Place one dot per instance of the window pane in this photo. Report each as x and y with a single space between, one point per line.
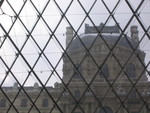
2 103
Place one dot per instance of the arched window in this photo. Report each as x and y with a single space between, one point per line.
105 110
3 102
130 70
104 71
77 70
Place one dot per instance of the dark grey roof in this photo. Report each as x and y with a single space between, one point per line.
88 39
101 29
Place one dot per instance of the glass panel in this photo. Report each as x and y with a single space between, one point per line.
61 45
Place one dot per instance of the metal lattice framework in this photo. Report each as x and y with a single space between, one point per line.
32 48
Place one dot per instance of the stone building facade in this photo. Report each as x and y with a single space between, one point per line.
103 72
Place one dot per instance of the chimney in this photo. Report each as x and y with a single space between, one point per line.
15 87
134 33
69 35
36 86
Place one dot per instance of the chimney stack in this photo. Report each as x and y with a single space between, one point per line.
36 86
69 35
134 33
15 87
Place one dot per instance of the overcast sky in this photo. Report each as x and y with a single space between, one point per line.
52 15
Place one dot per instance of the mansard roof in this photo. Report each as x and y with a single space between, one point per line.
101 29
88 39
110 34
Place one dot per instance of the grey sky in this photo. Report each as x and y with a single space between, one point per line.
52 16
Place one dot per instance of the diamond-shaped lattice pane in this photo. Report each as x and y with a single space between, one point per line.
74 56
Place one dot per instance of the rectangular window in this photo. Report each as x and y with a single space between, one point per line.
3 103
77 94
45 103
24 103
